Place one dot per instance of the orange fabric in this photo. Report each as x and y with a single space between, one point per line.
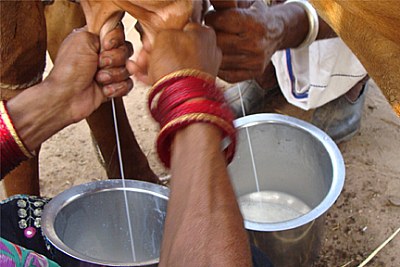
371 30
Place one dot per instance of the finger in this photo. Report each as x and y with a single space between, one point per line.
142 60
191 27
113 75
139 73
233 44
115 57
114 38
228 21
118 89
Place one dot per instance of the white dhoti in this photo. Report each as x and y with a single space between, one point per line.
312 76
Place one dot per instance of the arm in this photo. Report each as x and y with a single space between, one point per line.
70 92
204 226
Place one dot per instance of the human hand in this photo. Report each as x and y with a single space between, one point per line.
193 48
248 38
113 75
72 77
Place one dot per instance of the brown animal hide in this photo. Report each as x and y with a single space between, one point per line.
153 15
101 16
23 50
371 30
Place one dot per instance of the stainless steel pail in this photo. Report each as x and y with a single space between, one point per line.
89 223
300 173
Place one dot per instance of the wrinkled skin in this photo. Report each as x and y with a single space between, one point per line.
202 196
248 38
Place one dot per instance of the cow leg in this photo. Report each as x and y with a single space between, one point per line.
24 179
61 18
134 161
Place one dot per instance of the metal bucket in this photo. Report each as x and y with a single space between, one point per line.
300 174
89 223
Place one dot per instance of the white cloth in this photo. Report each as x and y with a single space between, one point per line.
312 76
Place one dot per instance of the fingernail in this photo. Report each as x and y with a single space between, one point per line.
106 61
113 43
104 77
108 90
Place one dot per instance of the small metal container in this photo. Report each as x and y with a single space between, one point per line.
89 223
300 174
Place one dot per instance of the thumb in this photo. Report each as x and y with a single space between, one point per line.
139 73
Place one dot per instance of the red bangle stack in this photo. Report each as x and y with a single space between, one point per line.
13 151
185 97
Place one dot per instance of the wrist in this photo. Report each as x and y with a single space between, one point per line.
295 24
37 115
313 21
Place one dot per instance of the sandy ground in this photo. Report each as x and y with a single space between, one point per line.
366 213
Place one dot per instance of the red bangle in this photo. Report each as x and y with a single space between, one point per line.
11 152
182 91
181 99
171 78
166 134
198 106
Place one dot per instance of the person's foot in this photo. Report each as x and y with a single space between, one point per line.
341 118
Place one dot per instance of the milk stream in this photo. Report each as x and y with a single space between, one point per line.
249 141
121 167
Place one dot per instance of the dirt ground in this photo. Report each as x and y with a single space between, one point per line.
366 213
362 218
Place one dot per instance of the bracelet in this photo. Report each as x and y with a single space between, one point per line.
205 106
9 125
10 152
164 138
171 78
185 97
183 90
312 20
185 73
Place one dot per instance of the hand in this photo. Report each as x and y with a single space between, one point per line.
69 94
72 76
112 74
248 38
194 48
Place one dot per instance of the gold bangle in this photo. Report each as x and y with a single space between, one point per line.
199 117
186 73
10 127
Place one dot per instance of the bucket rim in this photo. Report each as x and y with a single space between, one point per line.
338 170
66 197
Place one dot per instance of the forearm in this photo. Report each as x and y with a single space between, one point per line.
204 226
37 114
296 25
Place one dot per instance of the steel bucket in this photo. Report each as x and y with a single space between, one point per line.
300 175
88 223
